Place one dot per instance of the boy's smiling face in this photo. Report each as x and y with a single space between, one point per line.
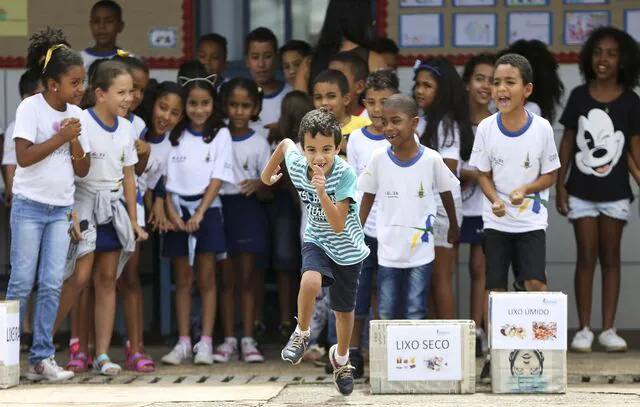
399 127
320 150
509 90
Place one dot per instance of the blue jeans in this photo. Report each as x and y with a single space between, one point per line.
402 293
38 232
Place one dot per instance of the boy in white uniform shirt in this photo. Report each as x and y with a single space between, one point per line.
516 154
402 175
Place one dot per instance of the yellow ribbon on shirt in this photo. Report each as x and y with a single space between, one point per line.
49 54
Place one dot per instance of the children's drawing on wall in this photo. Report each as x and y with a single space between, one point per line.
475 30
579 24
420 30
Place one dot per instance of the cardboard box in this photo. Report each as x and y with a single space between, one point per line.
422 357
9 344
528 342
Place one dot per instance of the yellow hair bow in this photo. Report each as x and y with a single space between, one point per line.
47 57
122 53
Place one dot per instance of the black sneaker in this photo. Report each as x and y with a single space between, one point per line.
357 361
295 349
485 375
342 375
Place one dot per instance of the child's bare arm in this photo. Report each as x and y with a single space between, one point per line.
271 173
365 207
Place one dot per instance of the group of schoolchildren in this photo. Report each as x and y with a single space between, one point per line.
363 189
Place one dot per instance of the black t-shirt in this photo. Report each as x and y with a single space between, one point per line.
599 169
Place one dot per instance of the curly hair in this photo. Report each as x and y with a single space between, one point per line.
547 86
61 58
382 79
628 52
451 107
320 121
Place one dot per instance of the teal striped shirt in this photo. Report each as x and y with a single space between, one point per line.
344 248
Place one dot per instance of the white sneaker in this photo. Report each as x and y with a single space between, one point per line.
484 342
610 340
250 352
583 340
204 354
179 354
48 369
225 351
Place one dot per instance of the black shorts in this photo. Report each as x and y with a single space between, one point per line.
526 252
341 280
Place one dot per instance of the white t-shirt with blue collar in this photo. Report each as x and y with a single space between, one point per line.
406 204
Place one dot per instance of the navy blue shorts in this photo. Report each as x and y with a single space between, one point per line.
284 232
210 236
245 224
472 230
341 280
107 237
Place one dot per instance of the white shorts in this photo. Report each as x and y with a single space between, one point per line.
580 208
441 227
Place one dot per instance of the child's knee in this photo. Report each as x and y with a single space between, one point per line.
344 316
311 283
535 285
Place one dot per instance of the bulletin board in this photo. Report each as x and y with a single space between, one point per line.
158 31
458 29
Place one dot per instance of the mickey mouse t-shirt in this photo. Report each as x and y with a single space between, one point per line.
599 170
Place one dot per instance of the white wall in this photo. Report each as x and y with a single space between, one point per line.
561 253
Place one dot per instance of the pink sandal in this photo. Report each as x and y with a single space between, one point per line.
140 363
127 349
78 363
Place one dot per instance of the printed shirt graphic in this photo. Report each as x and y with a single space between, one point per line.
112 149
251 154
600 170
192 164
346 247
361 146
516 159
406 205
52 180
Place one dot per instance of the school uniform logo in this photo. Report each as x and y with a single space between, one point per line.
245 165
122 157
207 159
527 162
600 145
421 193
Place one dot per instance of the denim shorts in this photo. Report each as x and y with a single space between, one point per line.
580 208
403 293
341 280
